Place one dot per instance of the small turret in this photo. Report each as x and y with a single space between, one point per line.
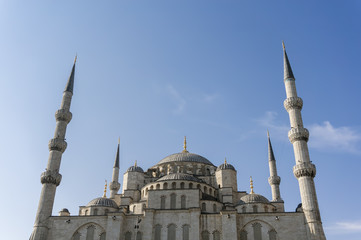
226 177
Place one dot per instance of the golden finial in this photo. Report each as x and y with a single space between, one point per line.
225 161
135 163
185 145
283 44
105 189
251 183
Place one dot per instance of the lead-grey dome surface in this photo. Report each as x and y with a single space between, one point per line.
135 169
179 176
185 157
226 166
253 198
102 202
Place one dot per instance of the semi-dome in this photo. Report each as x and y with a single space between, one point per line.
185 156
102 202
253 198
225 165
179 176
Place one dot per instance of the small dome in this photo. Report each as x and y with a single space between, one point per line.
253 198
226 166
102 202
135 169
179 176
185 157
64 210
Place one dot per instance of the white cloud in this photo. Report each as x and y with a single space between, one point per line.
180 101
325 136
277 130
344 227
209 98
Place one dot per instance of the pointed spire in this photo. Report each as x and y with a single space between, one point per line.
105 189
185 145
70 85
251 185
286 64
116 163
271 156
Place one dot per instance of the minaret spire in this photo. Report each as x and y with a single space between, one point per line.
274 180
114 186
51 178
304 170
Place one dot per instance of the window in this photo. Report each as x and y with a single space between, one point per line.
157 232
158 186
139 236
210 191
190 185
134 209
162 202
186 232
86 212
198 186
182 185
90 233
102 236
174 185
171 232
205 235
204 208
243 209
257 233
151 187
144 207
173 201
214 208
96 211
216 235
183 202
243 235
128 236
205 189
76 236
165 185
266 209
255 208
272 235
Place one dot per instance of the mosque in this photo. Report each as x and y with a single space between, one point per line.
184 196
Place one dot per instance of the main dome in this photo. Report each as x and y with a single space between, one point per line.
185 157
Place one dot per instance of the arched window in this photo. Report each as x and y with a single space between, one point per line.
76 236
243 209
165 185
96 211
204 207
171 232
190 185
162 202
158 186
214 208
102 236
257 232
157 232
86 212
90 232
183 201
243 235
265 208
144 207
174 185
128 236
198 186
216 235
210 191
272 235
205 235
186 232
173 201
146 191
205 189
182 185
255 208
139 236
151 187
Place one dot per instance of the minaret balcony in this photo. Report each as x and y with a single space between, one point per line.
57 144
63 115
298 134
293 103
51 176
304 170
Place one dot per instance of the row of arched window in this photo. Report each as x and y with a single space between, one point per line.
171 232
205 189
257 233
90 234
255 209
207 236
173 201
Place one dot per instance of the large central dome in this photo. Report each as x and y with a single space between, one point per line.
185 156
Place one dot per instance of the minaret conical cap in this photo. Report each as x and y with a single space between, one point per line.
116 163
70 84
271 156
286 64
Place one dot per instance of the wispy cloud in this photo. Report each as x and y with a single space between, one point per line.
344 227
325 136
269 121
210 98
179 100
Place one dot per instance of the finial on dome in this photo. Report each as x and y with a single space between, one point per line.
135 163
225 161
251 184
105 189
185 145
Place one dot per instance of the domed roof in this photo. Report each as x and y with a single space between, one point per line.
135 168
102 202
179 176
253 198
185 156
225 165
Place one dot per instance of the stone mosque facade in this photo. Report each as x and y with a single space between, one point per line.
184 196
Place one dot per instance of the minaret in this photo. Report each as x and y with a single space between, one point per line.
114 186
51 178
304 170
274 180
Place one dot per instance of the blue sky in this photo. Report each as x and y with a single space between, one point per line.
151 72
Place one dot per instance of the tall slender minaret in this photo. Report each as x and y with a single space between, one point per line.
115 185
51 178
274 180
304 170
